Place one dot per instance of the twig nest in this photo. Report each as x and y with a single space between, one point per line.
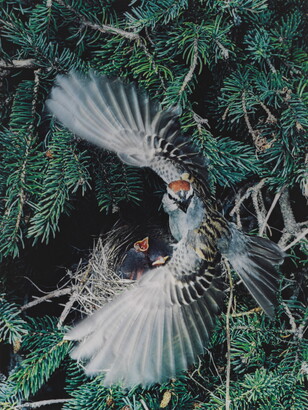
99 280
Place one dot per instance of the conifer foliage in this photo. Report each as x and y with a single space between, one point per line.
236 69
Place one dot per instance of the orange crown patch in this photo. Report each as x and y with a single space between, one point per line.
179 185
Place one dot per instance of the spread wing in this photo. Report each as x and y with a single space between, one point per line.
155 330
120 118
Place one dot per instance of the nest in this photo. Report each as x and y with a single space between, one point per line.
98 281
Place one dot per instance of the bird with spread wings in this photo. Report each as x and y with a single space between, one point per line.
159 327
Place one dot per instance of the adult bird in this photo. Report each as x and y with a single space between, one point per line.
171 310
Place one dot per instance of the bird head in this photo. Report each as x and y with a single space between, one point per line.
181 193
142 246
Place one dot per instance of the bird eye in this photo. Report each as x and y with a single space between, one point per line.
170 197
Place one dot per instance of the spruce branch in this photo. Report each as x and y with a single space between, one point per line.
192 68
103 28
22 194
21 143
47 351
151 59
12 326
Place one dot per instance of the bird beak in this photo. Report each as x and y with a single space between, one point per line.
183 205
143 245
160 261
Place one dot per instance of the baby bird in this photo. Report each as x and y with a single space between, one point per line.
145 255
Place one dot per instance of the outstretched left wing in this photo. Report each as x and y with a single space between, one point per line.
155 330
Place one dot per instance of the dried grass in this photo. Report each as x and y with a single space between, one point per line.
97 282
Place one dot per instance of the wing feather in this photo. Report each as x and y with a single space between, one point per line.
118 117
150 332
254 259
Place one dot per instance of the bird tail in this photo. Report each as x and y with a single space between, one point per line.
112 115
254 259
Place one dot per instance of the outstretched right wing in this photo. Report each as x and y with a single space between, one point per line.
155 330
120 118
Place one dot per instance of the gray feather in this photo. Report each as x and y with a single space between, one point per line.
254 259
110 114
151 332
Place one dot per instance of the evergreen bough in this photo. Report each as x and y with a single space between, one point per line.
237 70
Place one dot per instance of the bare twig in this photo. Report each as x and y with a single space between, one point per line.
214 365
228 315
252 132
270 64
200 121
287 213
27 63
224 50
256 188
192 68
226 113
270 117
259 206
74 296
55 294
292 229
36 405
249 312
199 384
297 331
298 238
275 200
103 28
144 404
